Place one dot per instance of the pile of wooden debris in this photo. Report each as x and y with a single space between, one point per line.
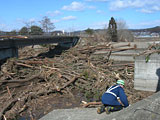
34 76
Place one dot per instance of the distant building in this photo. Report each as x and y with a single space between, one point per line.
155 34
58 33
2 33
145 34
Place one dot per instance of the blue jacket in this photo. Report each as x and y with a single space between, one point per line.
110 96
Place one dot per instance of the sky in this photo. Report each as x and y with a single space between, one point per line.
73 15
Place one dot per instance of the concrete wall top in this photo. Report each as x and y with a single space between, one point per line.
141 45
152 57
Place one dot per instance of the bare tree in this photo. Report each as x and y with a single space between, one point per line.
123 33
28 24
46 24
121 24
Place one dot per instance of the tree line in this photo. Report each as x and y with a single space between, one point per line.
45 26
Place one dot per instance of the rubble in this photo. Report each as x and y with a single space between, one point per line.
35 76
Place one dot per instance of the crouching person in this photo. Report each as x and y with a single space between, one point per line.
114 99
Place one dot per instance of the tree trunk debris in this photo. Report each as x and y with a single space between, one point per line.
36 75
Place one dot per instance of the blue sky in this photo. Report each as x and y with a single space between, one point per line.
71 15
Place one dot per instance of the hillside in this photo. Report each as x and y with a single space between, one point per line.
151 30
147 30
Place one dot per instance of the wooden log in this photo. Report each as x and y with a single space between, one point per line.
120 49
8 106
34 62
69 82
127 64
149 52
118 46
4 117
107 49
21 81
35 95
25 65
38 62
83 81
51 68
91 103
9 92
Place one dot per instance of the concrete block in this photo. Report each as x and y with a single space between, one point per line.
8 52
147 74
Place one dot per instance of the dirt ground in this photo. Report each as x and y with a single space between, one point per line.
46 104
44 78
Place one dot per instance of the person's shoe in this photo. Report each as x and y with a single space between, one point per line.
100 109
107 110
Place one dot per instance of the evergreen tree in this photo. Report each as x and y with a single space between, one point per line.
36 30
24 31
89 31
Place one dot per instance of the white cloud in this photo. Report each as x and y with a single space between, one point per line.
55 21
53 13
77 6
145 24
156 8
69 18
74 6
91 7
7 27
119 4
151 9
146 10
99 25
100 12
96 0
20 20
2 26
150 23
32 20
146 6
26 21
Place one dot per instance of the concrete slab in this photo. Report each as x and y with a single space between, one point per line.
74 114
127 55
147 109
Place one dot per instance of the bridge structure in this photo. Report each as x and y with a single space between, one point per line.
9 46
